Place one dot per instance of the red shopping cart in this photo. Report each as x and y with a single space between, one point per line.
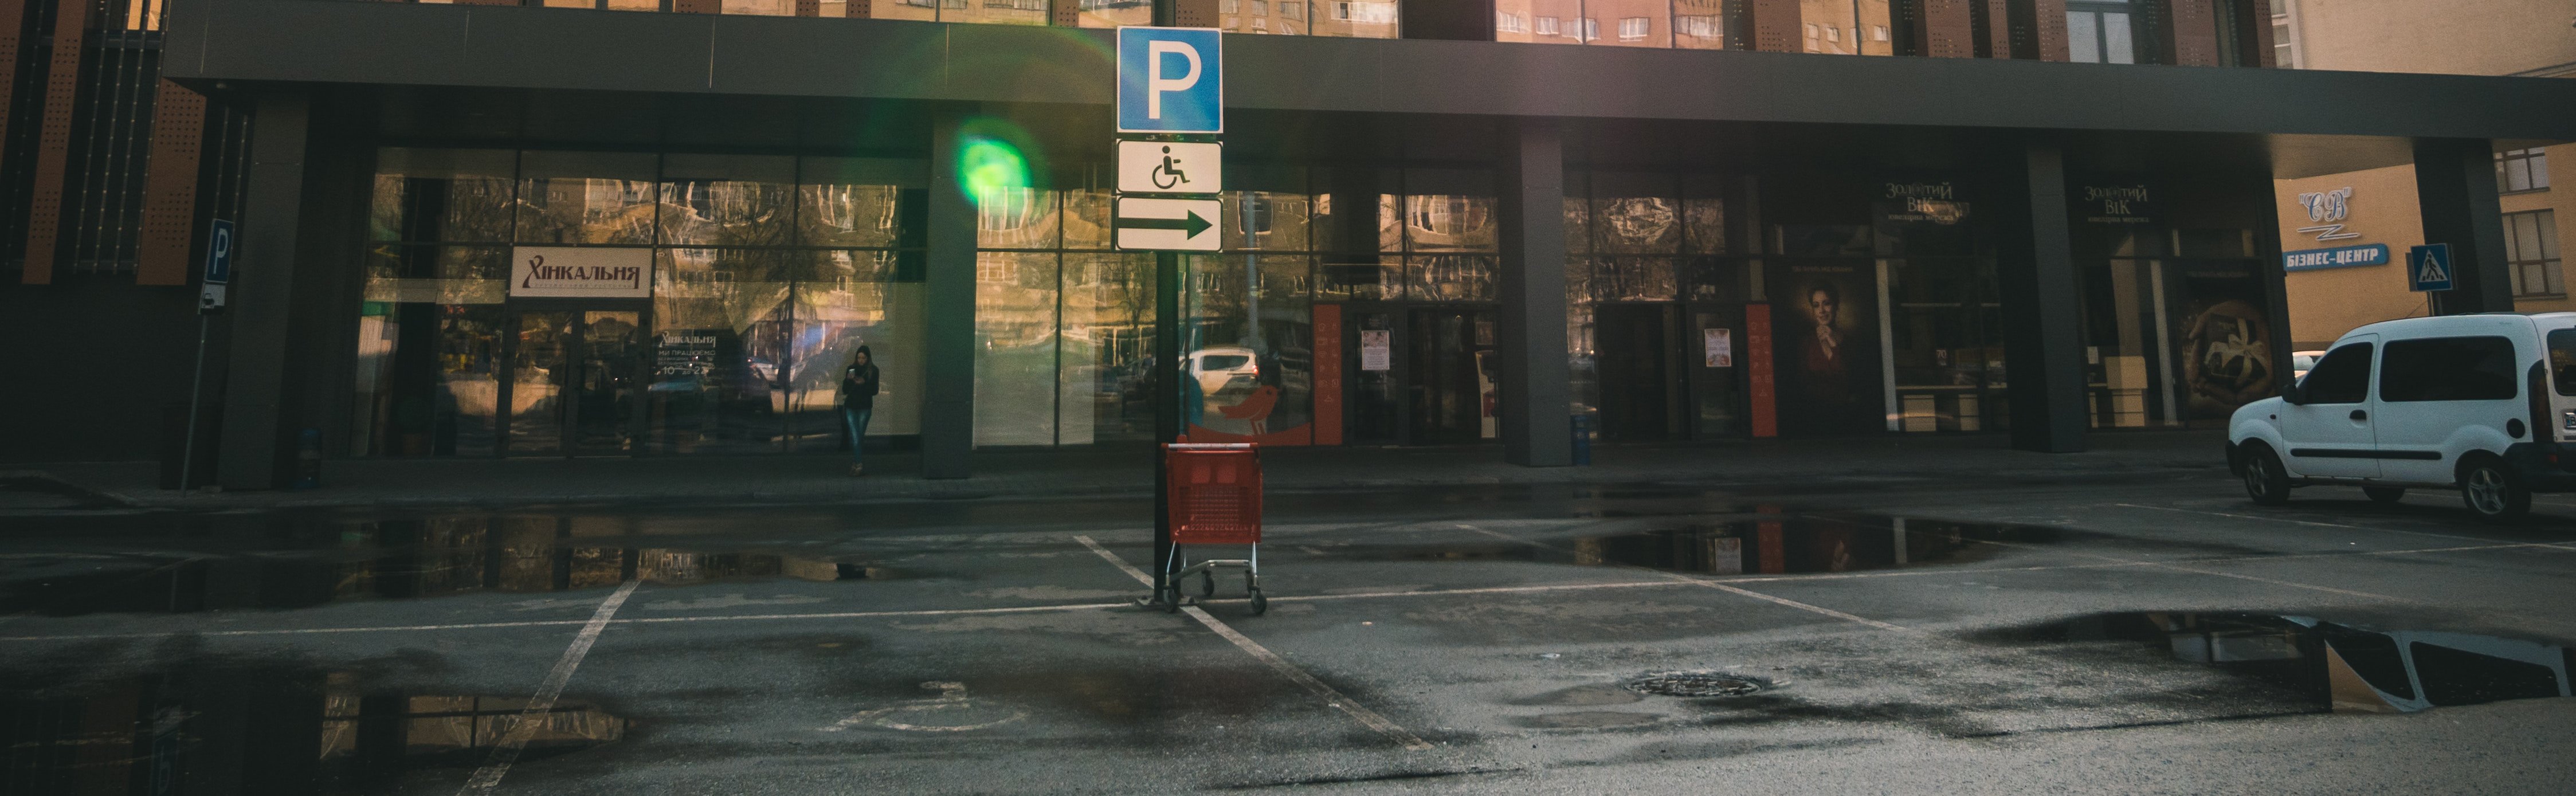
1215 495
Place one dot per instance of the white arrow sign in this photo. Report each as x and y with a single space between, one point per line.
1167 224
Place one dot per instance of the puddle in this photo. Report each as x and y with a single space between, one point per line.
268 730
1759 544
386 561
2336 667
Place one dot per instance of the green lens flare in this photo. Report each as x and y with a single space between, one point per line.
987 165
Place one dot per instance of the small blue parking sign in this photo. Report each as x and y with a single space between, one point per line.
1170 80
2428 268
219 253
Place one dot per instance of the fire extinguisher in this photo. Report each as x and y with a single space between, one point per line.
308 458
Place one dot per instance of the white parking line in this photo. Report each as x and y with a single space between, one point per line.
1680 578
1332 696
2321 524
525 725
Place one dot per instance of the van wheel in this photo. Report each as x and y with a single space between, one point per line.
2491 490
2385 495
2265 480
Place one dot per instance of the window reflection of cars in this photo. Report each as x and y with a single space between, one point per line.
1219 367
2301 361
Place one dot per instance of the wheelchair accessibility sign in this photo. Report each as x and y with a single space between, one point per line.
1169 167
1170 80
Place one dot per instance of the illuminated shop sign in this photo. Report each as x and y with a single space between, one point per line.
580 272
2345 257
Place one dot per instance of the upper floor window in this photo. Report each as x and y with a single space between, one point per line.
2522 170
1510 23
1634 28
2531 252
2101 32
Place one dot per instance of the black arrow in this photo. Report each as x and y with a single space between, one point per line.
1189 227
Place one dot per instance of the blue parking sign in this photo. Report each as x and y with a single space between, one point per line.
2428 268
1171 80
219 252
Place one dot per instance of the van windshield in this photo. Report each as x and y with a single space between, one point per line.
2562 360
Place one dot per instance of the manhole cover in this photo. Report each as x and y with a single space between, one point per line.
1695 684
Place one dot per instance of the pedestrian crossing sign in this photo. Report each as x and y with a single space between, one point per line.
2428 268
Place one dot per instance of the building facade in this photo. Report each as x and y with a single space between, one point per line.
2376 207
1435 231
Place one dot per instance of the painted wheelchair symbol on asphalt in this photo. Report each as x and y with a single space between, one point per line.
951 711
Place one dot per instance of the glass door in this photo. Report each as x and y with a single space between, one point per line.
1452 383
573 381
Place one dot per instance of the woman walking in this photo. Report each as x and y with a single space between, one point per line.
858 402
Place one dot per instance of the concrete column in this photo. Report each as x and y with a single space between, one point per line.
948 369
2455 191
2043 335
258 452
1535 401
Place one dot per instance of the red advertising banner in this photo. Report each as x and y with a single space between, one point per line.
1328 374
1757 361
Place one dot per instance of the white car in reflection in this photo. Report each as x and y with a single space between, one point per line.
1219 367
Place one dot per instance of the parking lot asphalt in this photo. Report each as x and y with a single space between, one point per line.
2145 633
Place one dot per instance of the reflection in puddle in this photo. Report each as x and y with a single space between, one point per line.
1776 544
2342 667
395 560
268 731
1759 544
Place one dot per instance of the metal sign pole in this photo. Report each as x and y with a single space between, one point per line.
196 388
1167 408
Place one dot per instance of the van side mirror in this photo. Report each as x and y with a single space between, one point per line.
2293 395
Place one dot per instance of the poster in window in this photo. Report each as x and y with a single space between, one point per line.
1376 348
2227 342
1826 344
1720 347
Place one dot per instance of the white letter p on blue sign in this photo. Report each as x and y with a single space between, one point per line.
1170 80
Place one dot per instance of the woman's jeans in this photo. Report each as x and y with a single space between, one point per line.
855 418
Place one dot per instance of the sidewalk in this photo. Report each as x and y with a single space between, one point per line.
820 478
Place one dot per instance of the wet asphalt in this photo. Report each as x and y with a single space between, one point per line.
2144 633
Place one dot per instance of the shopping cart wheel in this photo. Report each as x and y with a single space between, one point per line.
1172 600
1260 604
1207 584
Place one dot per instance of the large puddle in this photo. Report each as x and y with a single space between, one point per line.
2337 667
270 731
1754 544
387 560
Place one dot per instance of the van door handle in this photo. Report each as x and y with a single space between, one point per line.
2360 415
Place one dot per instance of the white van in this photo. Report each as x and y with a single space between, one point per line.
2481 403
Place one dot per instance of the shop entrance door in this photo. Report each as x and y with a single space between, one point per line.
574 381
1450 352
1633 349
1419 375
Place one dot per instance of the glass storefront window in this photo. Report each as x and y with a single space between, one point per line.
586 197
1286 17
1015 348
782 268
459 195
728 200
1016 218
1108 340
1700 24
767 8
